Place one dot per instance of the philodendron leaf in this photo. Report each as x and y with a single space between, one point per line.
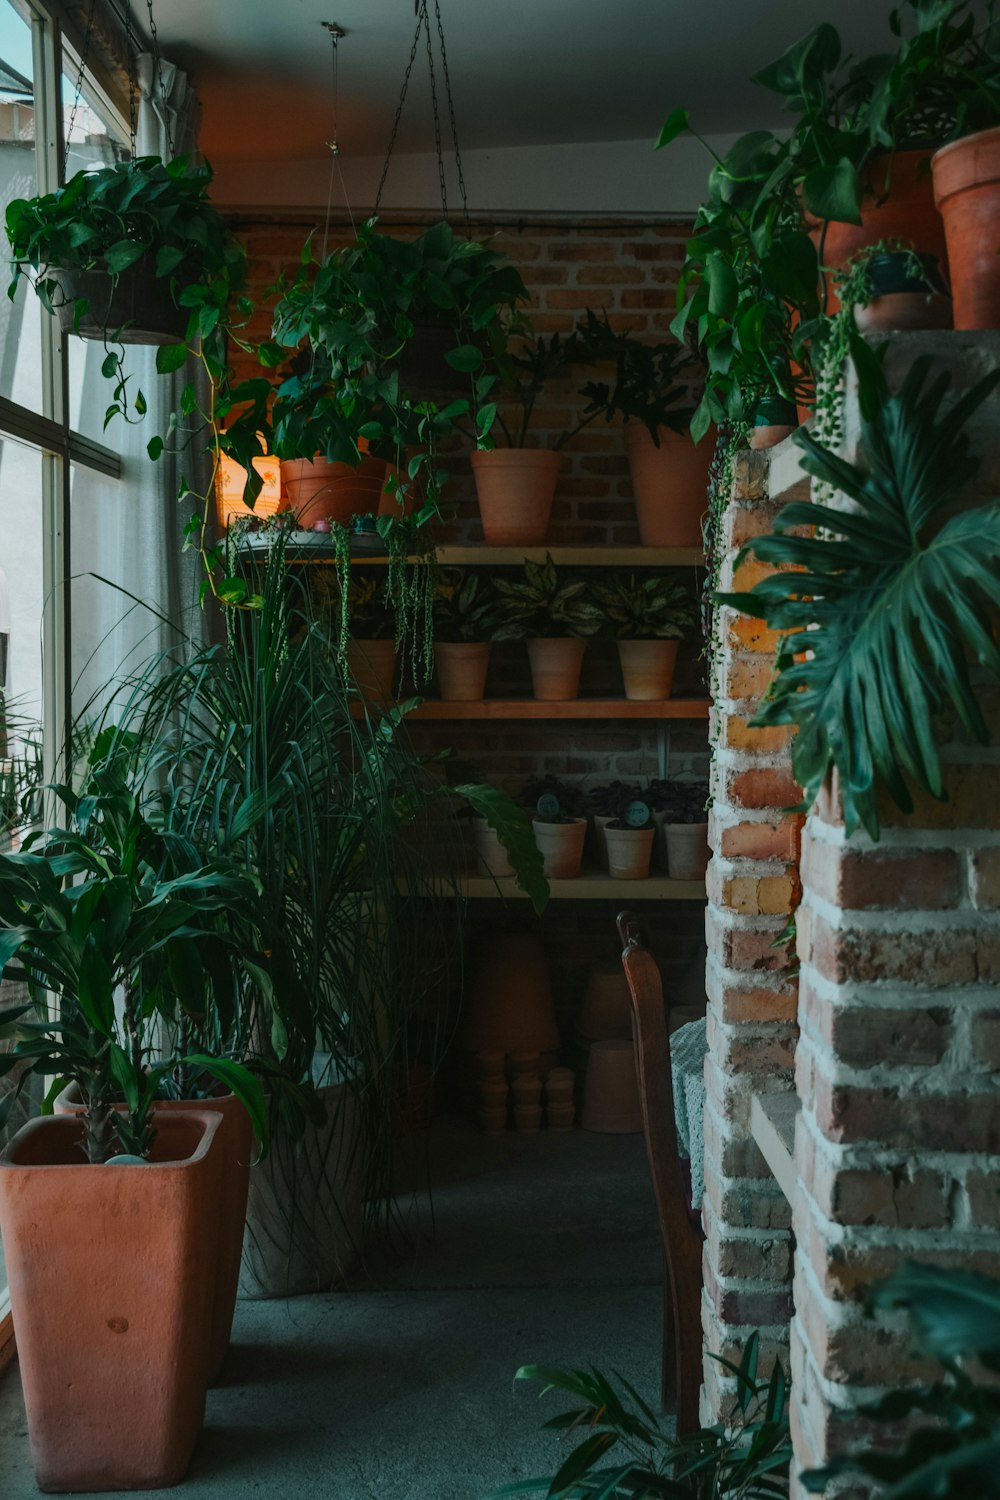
512 827
676 123
833 192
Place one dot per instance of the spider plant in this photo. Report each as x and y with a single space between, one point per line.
896 595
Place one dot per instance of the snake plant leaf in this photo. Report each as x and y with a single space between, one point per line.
894 596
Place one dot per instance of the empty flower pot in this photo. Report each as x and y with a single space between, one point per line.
527 1090
897 203
508 1005
560 1116
629 852
967 192
523 1064
491 856
601 821
317 490
491 1065
561 846
560 1086
647 669
687 850
611 1092
556 664
670 484
515 488
529 1119
372 664
606 1009
461 669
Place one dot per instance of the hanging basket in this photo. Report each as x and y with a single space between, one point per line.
424 373
133 308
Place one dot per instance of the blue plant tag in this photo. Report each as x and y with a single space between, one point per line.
548 805
637 814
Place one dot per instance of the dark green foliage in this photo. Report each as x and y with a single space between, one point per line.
654 607
656 384
541 604
465 606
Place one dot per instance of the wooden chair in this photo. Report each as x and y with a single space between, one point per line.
680 1227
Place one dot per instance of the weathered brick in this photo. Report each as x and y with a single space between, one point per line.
747 634
776 839
762 787
929 958
985 883
742 948
983 1189
985 1037
745 676
864 1036
905 1196
911 1121
890 879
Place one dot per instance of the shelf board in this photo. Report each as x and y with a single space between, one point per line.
575 708
593 886
310 546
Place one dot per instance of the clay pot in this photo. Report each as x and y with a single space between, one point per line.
317 490
491 856
561 846
523 1064
611 1092
509 999
606 1010
647 669
687 850
629 852
134 309
560 1086
491 1065
235 1148
516 487
774 420
967 191
901 300
556 663
601 821
373 666
112 1275
897 204
670 484
528 1120
527 1090
560 1116
493 1092
461 670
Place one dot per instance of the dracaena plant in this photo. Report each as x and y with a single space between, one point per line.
650 608
542 603
882 606
110 907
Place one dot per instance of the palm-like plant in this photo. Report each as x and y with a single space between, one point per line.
645 609
540 603
894 596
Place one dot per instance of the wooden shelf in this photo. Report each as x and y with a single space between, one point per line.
593 886
310 546
575 708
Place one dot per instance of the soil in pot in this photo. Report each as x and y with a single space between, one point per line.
373 666
561 846
647 669
461 670
670 483
112 1273
135 308
516 487
687 850
556 664
629 852
317 490
967 191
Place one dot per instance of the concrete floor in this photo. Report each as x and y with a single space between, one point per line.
546 1250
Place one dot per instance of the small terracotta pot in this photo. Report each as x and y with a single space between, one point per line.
493 1121
670 484
561 846
606 1010
611 1093
967 191
560 1084
373 666
317 490
629 852
556 663
527 1090
687 850
491 855
461 668
560 1116
903 310
647 669
897 204
493 1093
516 487
770 434
528 1120
112 1274
508 1005
491 1065
523 1064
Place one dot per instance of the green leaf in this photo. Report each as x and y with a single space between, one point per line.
109 366
512 827
833 192
677 122
241 1082
170 357
154 448
466 358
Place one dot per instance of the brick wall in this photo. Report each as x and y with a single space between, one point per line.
752 991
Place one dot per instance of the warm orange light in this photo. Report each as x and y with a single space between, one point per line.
229 484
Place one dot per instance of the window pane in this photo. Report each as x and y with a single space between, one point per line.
20 320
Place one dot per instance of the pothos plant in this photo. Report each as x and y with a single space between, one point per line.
882 605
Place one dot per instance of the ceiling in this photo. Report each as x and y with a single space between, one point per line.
524 72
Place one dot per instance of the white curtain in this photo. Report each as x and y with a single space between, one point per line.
130 533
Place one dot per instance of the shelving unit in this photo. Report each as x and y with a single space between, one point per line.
315 547
593 886
575 708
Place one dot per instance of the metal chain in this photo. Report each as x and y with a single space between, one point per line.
435 111
451 113
158 74
130 58
78 87
399 108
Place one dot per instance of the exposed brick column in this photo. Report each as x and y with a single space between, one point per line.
752 992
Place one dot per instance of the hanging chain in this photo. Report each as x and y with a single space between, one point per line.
78 86
399 108
158 74
336 33
451 113
435 111
130 58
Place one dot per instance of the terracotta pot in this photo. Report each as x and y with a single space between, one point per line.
687 850
305 1212
606 1010
903 310
560 1116
508 1003
389 503
461 668
491 856
560 1086
561 846
527 1090
629 852
373 666
135 309
611 1092
670 484
235 1148
556 663
491 1065
897 203
647 669
112 1274
967 191
601 821
515 488
523 1064
528 1120
317 490
493 1093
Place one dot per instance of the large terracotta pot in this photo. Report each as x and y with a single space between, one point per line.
509 999
611 1103
670 483
606 1010
234 1145
135 308
967 191
112 1274
372 664
897 203
461 668
317 490
556 664
515 488
561 846
647 669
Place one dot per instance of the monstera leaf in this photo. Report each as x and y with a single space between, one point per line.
893 596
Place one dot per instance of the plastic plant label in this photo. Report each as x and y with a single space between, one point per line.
548 805
637 814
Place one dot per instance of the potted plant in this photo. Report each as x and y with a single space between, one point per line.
649 617
679 808
774 419
560 837
555 618
148 1185
371 649
465 614
609 802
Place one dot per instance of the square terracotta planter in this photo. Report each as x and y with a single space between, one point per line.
112 1278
